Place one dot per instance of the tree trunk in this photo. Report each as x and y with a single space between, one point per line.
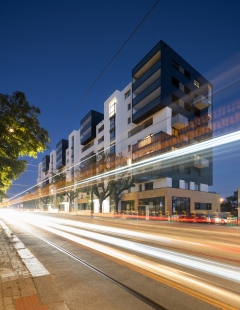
100 206
116 201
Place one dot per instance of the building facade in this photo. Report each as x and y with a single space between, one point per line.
166 107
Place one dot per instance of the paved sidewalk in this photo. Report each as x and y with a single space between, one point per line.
24 282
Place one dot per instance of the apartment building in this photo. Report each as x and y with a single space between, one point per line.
165 108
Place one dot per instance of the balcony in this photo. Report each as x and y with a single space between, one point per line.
87 138
148 78
87 146
150 89
200 162
179 121
148 110
86 126
201 102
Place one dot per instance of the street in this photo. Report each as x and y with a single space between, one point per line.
174 265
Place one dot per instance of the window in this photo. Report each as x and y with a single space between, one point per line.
197 172
180 69
186 170
175 64
180 205
112 135
175 183
203 206
180 102
112 123
129 106
101 140
129 120
140 187
129 148
112 107
196 187
186 90
196 83
127 94
187 185
112 149
100 128
187 74
209 94
180 86
175 82
156 205
148 186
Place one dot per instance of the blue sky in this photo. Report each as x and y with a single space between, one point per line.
53 50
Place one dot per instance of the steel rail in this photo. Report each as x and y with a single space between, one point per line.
128 289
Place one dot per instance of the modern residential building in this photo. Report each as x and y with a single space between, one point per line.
166 107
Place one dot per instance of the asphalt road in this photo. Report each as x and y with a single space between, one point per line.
195 269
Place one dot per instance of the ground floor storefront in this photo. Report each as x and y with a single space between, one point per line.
170 201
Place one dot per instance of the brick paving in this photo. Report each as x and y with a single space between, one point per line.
17 288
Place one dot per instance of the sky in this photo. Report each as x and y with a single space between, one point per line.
54 50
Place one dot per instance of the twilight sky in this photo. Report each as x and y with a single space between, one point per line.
53 51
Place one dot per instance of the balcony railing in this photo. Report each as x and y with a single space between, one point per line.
201 102
87 138
87 146
152 107
200 162
146 75
146 92
85 127
179 121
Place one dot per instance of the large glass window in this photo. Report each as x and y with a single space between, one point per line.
148 186
180 205
127 205
156 205
112 149
112 135
112 123
112 108
203 206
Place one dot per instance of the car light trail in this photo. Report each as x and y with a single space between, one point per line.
228 138
189 261
184 279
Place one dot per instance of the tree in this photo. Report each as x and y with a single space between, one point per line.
123 181
20 135
102 188
230 203
114 185
118 186
65 189
102 191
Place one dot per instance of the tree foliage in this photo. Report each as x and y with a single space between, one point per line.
230 203
20 135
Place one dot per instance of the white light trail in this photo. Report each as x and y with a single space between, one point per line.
177 276
232 137
189 261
